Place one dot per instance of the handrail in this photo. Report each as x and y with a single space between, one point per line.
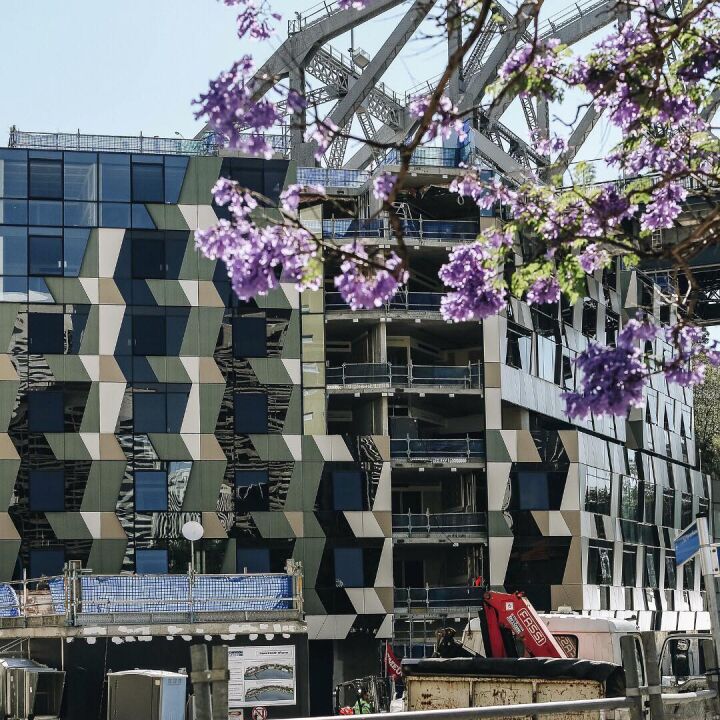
447 449
447 524
409 301
454 376
440 231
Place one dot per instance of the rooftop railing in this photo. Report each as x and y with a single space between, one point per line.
332 177
447 525
432 157
427 302
379 229
437 599
457 377
465 449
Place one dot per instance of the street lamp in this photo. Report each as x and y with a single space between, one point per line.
192 531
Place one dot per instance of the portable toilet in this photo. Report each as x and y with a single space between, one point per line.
147 694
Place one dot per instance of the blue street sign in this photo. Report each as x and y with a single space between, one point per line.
687 544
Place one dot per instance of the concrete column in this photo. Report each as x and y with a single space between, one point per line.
300 151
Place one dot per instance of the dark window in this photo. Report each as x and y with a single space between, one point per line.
630 508
114 215
147 181
349 567
519 348
47 490
140 217
46 411
159 412
151 562
689 575
80 214
649 502
148 256
347 490
251 413
46 255
686 510
537 560
532 491
600 563
652 567
75 243
80 176
13 174
597 492
668 507
252 560
629 567
13 251
46 179
175 168
115 177
670 573
252 490
46 333
45 212
151 491
149 334
249 337
46 562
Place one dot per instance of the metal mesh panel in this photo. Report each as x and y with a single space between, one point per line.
9 606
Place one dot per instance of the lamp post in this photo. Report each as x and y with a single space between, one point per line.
192 531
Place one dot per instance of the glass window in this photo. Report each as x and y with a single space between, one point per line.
249 337
151 562
46 333
13 212
140 218
47 490
46 255
45 212
600 563
532 491
252 490
670 573
347 490
115 177
629 567
46 180
668 507
148 255
686 510
251 413
349 567
80 214
151 491
13 289
630 508
13 251
597 492
150 412
252 560
13 174
75 244
147 181
176 406
175 168
689 575
115 215
46 411
649 502
519 348
46 562
148 334
652 567
80 176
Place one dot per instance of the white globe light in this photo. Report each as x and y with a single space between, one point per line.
192 530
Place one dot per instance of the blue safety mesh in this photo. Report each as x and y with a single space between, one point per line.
9 606
57 592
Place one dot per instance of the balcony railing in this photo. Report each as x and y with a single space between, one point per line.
407 301
436 449
461 377
431 525
433 157
332 177
438 599
346 230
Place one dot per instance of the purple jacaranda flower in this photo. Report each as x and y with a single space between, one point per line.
543 290
664 206
383 186
593 258
290 197
364 287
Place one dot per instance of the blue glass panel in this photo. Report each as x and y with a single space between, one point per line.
251 413
13 212
149 412
176 406
46 562
81 214
253 560
46 411
147 181
38 291
149 334
13 289
46 255
349 567
47 490
347 490
45 212
114 215
75 245
46 181
175 168
80 176
13 251
151 562
141 218
151 493
13 173
252 490
533 492
115 178
46 333
249 337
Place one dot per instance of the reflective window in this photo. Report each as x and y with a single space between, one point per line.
74 247
149 334
649 501
45 212
151 491
629 566
630 507
80 176
252 490
13 251
148 255
13 212
47 490
80 214
600 563
46 333
598 490
251 413
46 411
519 348
175 168
13 289
46 255
540 560
140 217
347 490
252 560
689 575
349 567
652 567
114 215
151 562
147 180
532 491
670 572
46 562
46 180
249 337
115 177
13 174
668 507
159 412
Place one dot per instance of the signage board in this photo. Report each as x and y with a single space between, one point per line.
687 544
261 676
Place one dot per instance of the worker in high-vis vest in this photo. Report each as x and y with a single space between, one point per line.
363 706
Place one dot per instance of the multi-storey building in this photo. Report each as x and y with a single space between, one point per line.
402 460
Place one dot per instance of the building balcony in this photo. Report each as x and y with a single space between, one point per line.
332 177
437 600
412 303
424 378
437 450
438 527
379 231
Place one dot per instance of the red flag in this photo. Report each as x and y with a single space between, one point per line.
392 664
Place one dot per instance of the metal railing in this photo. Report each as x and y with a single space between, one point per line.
408 301
437 449
379 229
437 598
332 177
429 524
139 144
462 377
432 156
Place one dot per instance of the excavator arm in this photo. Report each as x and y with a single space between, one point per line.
514 612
